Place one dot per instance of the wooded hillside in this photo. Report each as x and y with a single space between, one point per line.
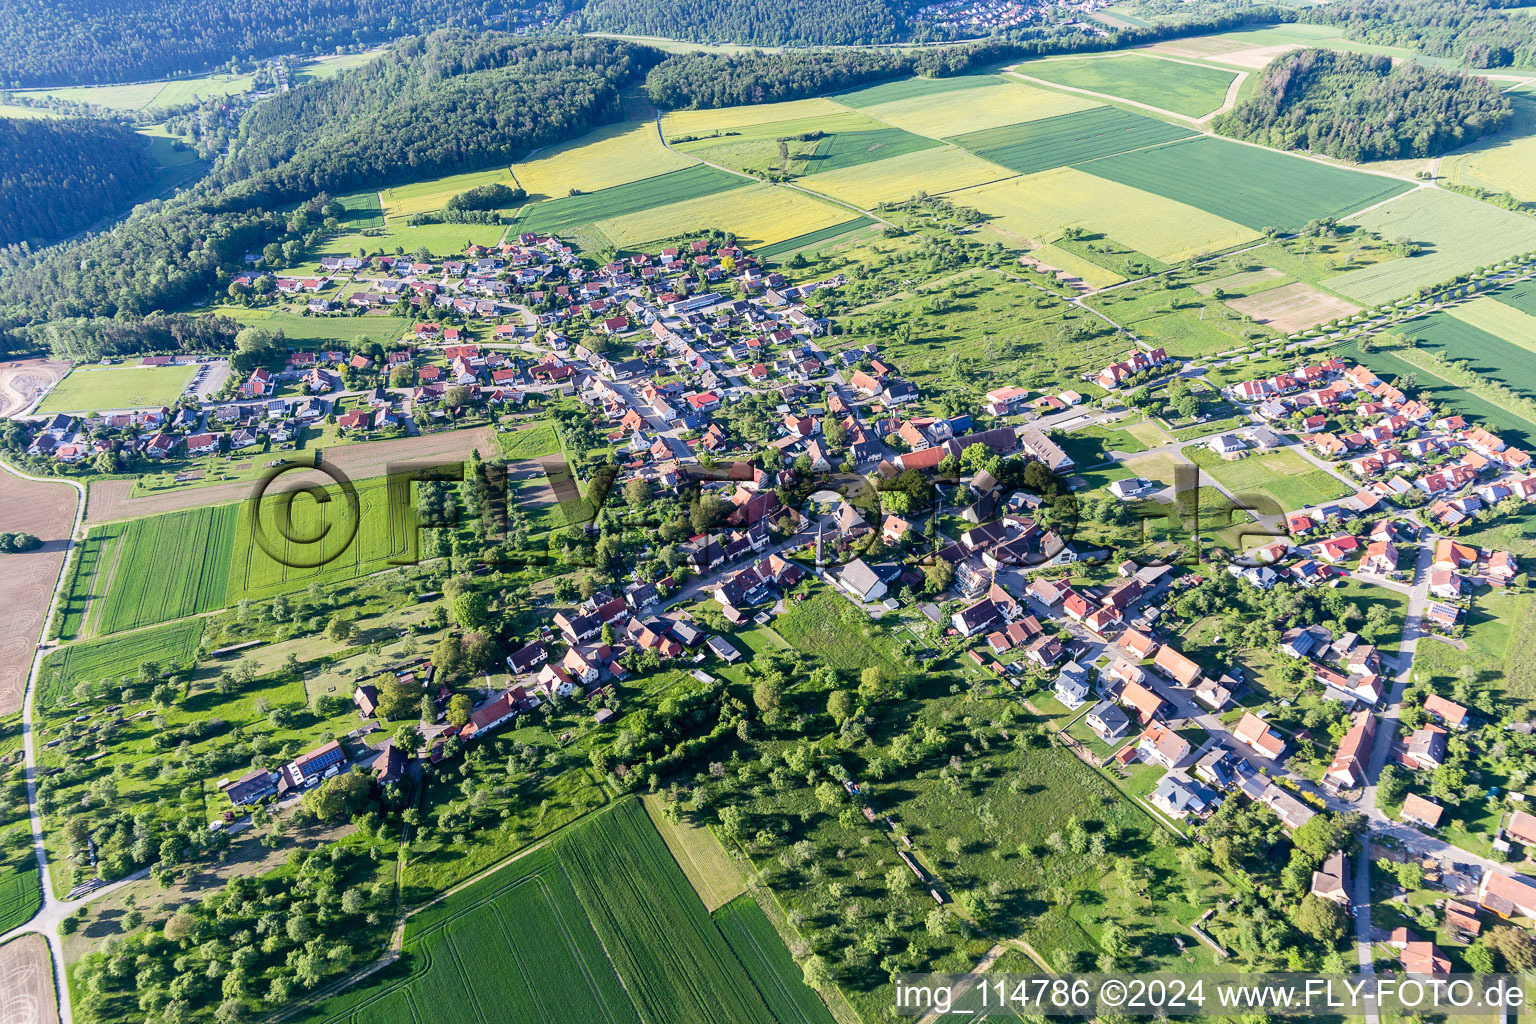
1362 107
58 176
1476 33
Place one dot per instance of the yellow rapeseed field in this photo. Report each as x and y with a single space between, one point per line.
757 214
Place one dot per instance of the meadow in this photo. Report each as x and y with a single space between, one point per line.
828 627
811 239
1256 187
1192 90
438 239
676 124
380 327
991 103
1505 162
559 215
1458 234
600 923
899 178
151 570
112 658
529 441
117 387
1069 139
144 95
422 196
613 155
1041 206
778 978
21 894
1091 273
1283 476
1109 254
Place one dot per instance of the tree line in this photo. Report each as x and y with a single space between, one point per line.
1475 33
60 175
1360 107
86 42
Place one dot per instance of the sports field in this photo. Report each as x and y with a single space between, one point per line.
614 155
935 171
112 658
1505 162
150 570
1193 90
599 925
1459 233
1069 139
1040 206
1257 187
777 977
757 215
649 194
994 103
95 389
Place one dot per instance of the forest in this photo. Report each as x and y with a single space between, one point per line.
1477 33
448 102
59 176
83 42
755 22
1361 107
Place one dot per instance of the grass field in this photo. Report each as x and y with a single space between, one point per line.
813 238
1091 273
1189 89
678 123
829 627
117 387
114 657
935 171
439 239
757 215
319 545
917 89
1256 187
600 924
1286 477
1459 233
1488 354
363 211
699 854
1507 322
1120 260
421 196
1040 206
994 103
150 570
144 95
843 150
319 328
777 977
529 441
1069 139
1506 162
649 194
613 155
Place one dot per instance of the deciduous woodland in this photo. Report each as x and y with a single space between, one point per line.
1362 107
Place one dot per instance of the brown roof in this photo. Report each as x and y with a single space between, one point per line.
1255 732
1522 826
1177 667
1138 643
1420 809
1142 700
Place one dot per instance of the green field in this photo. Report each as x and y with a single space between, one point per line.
559 215
1458 234
323 543
1487 353
1068 139
1189 89
1255 187
914 88
777 977
851 149
811 238
1284 476
379 327
530 441
363 211
94 389
598 926
112 658
150 570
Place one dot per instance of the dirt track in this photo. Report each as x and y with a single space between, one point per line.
26 982
21 380
111 499
47 511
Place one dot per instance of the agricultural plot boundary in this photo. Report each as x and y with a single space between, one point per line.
558 215
1068 139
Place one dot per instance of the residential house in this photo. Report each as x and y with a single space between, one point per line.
1257 735
1178 668
1331 880
1072 686
1108 721
1160 745
1179 796
1348 767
